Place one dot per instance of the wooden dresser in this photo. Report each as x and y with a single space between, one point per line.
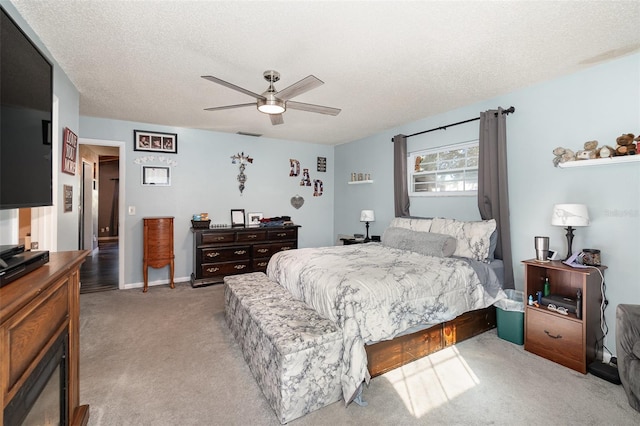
39 312
158 246
228 251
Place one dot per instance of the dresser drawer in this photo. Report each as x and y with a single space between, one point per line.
260 265
225 268
218 237
225 254
288 245
252 236
282 234
556 338
262 250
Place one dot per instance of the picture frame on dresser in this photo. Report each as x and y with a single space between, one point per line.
253 219
237 218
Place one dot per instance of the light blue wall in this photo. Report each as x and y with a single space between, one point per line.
204 180
599 103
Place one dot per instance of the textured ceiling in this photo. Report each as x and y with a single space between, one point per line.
384 63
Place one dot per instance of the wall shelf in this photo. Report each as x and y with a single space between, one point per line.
356 182
601 161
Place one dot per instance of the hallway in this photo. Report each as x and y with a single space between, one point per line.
100 272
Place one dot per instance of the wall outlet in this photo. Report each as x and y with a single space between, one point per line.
132 210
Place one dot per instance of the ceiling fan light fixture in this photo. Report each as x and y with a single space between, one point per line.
271 104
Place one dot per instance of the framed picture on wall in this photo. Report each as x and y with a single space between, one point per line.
237 217
156 176
155 142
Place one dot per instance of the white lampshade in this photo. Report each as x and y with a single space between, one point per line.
367 216
570 215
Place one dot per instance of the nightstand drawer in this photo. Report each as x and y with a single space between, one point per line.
556 338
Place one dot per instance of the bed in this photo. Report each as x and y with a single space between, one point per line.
423 272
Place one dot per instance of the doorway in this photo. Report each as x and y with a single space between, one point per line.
101 213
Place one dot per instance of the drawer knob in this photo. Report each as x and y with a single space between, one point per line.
212 269
263 250
219 238
282 234
262 264
285 248
252 236
240 251
240 267
214 254
552 336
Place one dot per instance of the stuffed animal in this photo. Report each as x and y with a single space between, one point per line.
625 144
589 152
562 155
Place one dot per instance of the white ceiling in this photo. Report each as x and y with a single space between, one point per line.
384 63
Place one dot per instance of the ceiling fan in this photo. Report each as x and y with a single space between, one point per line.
273 102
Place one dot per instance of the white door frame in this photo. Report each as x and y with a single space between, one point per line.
121 199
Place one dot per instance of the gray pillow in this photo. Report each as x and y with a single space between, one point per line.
425 243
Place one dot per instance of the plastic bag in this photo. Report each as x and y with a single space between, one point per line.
513 302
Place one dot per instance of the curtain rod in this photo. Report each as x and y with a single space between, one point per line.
505 111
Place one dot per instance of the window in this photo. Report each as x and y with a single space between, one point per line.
448 170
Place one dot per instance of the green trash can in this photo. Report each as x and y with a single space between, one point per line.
510 317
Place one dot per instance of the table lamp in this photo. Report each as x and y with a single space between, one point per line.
570 215
367 216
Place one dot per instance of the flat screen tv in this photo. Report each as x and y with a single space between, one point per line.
26 92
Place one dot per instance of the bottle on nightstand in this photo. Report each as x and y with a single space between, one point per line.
547 287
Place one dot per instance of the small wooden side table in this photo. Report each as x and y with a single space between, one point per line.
158 246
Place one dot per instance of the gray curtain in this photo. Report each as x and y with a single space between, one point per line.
493 193
400 188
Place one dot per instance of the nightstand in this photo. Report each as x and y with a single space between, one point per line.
565 339
349 241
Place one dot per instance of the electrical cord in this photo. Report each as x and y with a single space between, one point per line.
603 305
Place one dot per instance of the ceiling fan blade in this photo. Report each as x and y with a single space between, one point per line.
304 85
276 119
313 108
232 86
229 107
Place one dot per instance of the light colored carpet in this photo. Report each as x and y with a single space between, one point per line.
167 358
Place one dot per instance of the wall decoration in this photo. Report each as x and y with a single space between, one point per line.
68 198
237 217
322 164
295 167
242 159
253 219
152 158
69 149
306 181
317 188
156 176
297 201
155 142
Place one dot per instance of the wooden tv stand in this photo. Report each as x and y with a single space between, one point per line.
35 311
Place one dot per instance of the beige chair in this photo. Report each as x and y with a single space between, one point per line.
628 351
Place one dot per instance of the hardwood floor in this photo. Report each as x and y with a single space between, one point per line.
100 272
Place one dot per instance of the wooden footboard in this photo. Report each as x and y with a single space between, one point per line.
387 355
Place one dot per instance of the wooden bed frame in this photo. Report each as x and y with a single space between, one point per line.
390 354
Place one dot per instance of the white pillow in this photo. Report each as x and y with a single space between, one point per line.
414 224
472 238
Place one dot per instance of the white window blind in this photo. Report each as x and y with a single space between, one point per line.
448 170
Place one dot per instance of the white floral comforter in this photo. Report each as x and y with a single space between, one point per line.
374 293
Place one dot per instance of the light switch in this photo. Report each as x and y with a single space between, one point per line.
132 210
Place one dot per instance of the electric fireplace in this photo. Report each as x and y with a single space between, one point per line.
42 400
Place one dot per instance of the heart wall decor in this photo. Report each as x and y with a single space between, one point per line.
297 201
